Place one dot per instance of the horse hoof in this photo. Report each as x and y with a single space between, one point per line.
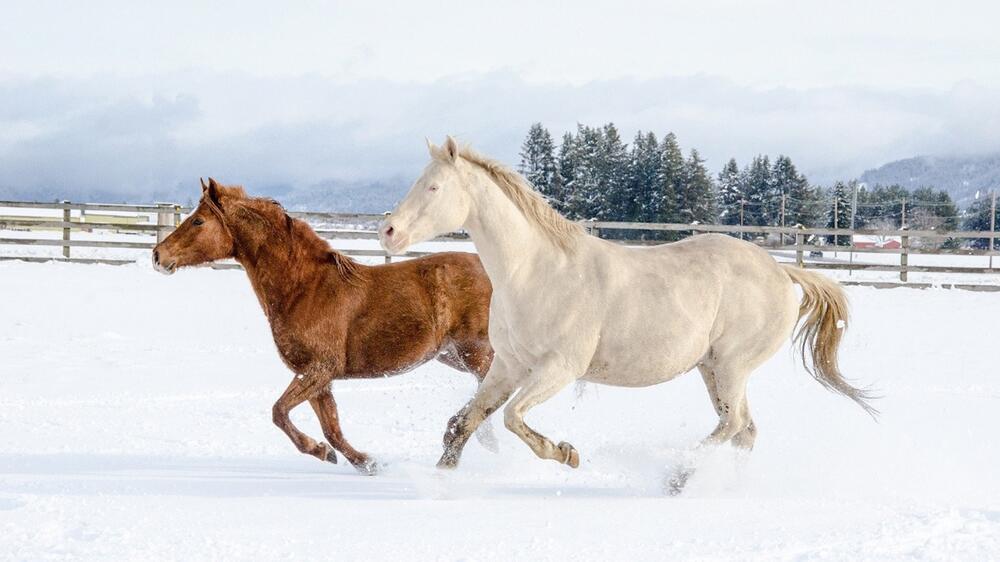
570 456
367 467
331 456
447 462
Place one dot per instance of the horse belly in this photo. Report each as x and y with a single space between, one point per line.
646 357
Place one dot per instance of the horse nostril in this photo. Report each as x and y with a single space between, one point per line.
156 257
389 231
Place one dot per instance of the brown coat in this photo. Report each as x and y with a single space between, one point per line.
331 317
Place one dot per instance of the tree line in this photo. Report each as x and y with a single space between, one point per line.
593 174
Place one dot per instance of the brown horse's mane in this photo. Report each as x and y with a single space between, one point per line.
301 236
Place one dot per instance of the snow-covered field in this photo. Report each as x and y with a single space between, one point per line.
135 424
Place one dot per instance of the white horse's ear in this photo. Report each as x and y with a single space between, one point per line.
451 148
431 147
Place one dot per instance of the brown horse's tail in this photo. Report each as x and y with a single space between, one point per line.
823 317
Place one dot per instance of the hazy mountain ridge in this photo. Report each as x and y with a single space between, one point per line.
375 196
961 176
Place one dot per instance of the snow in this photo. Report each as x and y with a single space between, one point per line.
135 424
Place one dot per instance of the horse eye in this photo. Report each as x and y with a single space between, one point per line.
197 222
433 188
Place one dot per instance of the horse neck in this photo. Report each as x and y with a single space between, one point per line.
279 266
504 237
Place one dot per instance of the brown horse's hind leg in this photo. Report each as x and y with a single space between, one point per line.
329 419
302 388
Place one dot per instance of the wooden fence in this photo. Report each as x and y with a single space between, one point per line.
797 241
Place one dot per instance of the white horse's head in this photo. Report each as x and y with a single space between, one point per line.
437 203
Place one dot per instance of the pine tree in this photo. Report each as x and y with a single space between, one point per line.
612 176
840 211
538 162
977 218
697 198
802 205
565 178
584 200
759 192
730 193
671 178
643 179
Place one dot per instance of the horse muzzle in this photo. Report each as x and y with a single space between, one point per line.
391 240
167 268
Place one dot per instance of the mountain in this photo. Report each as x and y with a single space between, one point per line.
375 196
961 176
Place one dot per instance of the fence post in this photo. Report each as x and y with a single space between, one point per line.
164 220
903 258
799 240
388 258
67 215
177 216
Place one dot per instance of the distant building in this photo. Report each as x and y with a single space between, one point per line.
869 241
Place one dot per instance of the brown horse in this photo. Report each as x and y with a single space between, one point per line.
331 317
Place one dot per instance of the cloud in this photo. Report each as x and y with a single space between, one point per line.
148 138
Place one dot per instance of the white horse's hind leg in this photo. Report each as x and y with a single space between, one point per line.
543 386
729 399
744 438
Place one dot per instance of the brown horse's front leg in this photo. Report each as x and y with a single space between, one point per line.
302 388
329 419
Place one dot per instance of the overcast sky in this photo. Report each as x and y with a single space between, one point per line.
139 97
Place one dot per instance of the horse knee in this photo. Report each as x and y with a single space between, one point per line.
278 415
511 419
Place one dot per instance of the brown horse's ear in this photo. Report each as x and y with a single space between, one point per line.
214 192
204 186
451 149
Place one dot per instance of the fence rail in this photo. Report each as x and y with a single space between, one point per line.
359 226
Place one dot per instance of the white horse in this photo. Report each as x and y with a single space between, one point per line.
567 306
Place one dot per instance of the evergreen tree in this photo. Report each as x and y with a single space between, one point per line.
565 178
643 179
730 193
538 161
612 175
697 198
802 202
977 218
584 199
840 210
759 192
671 178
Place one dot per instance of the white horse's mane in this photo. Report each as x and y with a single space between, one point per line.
564 233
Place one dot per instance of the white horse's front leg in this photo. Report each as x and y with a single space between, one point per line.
547 380
497 386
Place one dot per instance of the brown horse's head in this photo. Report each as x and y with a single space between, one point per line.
203 237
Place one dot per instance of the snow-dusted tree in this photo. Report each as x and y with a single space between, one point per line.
730 193
584 199
839 216
977 218
671 177
759 192
637 200
565 180
538 161
696 199
612 175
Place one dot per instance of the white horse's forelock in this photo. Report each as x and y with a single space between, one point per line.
564 233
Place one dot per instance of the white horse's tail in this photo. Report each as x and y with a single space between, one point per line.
823 321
